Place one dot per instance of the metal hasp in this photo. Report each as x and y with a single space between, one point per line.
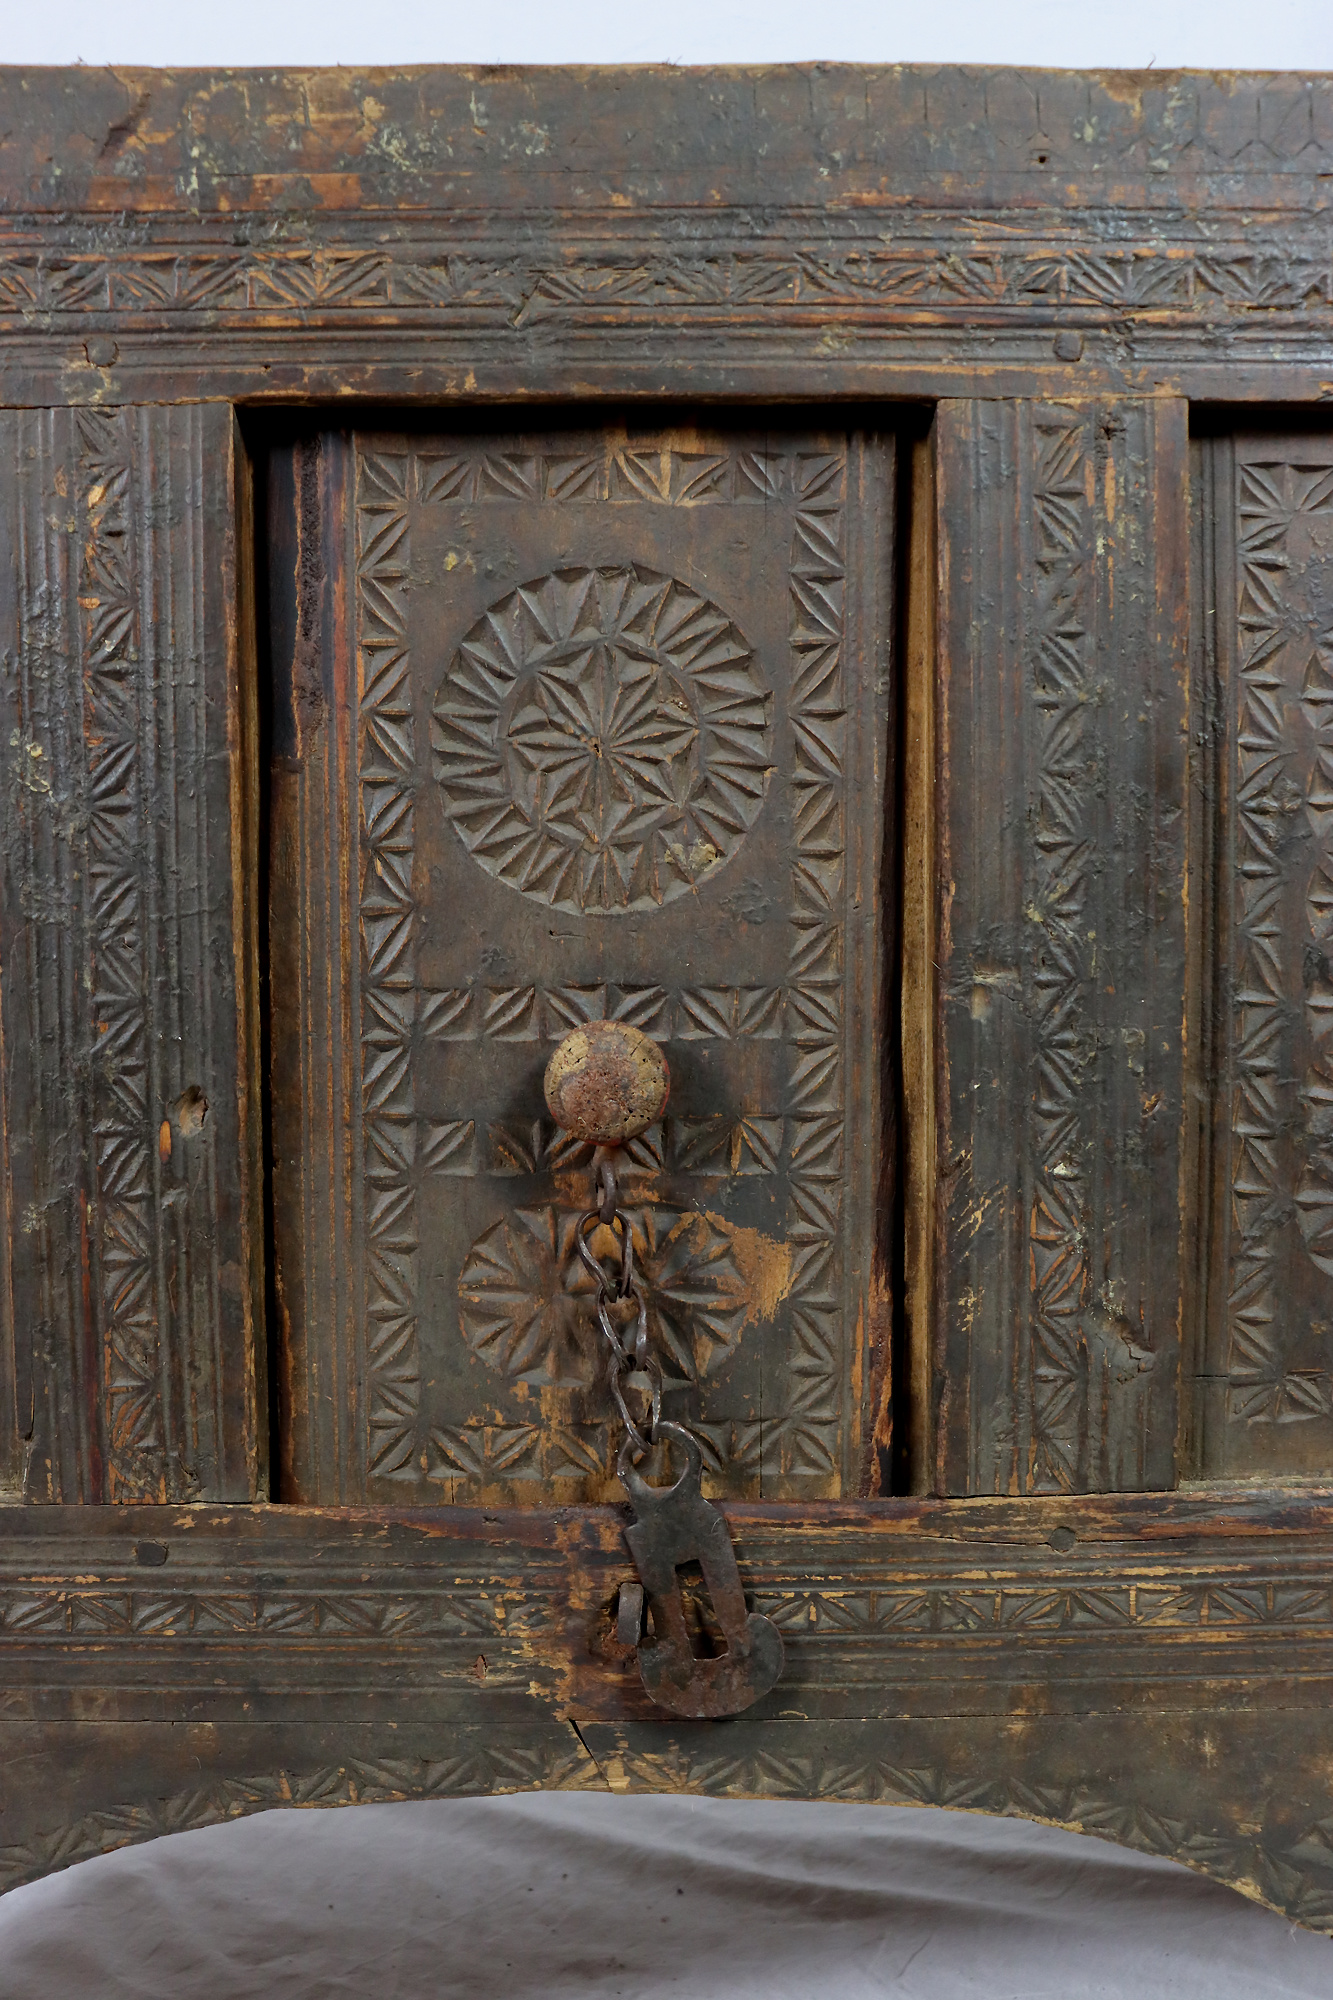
606 1082
675 1525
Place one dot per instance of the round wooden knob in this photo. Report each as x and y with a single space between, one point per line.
606 1082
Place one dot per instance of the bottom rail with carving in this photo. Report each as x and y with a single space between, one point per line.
1158 1671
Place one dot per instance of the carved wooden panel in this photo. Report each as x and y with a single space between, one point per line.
580 724
453 877
1061 879
129 1340
1106 238
1264 590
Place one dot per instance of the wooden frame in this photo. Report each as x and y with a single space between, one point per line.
1059 267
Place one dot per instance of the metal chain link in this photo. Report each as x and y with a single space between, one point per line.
673 1524
625 1356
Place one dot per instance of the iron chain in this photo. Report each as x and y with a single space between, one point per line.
627 1352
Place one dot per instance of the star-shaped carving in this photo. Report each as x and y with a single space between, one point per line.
603 739
526 1301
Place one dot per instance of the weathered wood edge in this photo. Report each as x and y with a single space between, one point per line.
786 324
824 231
1060 784
1177 1742
228 141
134 1293
1288 1874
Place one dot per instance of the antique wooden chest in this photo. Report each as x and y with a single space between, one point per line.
830 570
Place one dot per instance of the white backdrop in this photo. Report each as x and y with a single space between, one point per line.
533 1899
1129 34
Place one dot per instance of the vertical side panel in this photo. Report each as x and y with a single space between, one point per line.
127 1072
57 1444
319 1267
912 1391
1061 831
1263 1394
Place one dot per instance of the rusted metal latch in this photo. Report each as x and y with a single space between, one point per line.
675 1525
606 1083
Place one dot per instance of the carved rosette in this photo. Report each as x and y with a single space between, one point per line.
602 739
526 1299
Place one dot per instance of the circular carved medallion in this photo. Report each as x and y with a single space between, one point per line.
526 1301
603 739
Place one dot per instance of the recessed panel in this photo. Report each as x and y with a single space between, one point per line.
592 725
1266 1389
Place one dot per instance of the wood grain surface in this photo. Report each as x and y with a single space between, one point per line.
613 709
1071 337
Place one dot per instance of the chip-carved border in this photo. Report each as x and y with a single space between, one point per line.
806 1436
1263 1108
871 1613
128 1251
453 280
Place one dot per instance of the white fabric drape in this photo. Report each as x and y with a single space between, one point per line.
662 1898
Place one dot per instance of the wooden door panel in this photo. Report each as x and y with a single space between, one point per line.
572 724
1113 1014
1061 872
133 1335
1264 654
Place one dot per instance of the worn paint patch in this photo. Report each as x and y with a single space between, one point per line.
764 1263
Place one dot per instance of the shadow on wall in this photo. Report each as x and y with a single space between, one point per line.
552 1894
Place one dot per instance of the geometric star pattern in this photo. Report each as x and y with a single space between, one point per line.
1282 1160
708 750
603 739
1064 671
115 826
526 1303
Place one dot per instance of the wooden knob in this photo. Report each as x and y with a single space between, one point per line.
606 1082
